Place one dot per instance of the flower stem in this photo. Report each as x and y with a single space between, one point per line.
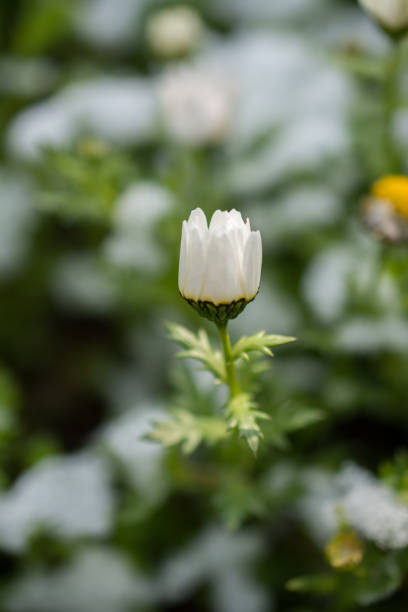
229 361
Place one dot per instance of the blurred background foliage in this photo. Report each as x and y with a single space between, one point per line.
110 136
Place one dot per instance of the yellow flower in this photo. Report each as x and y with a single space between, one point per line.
394 189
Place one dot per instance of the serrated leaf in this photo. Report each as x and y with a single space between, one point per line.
188 430
242 414
198 347
261 342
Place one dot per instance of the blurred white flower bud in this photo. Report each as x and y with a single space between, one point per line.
220 265
196 104
174 31
392 14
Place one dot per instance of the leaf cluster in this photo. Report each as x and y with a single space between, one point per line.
241 413
83 183
198 347
189 430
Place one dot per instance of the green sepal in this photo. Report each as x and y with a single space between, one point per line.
198 347
219 313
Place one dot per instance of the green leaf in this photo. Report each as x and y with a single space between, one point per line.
42 23
379 582
362 66
198 347
259 342
292 416
288 417
238 499
189 431
320 584
82 183
9 402
188 394
242 414
300 417
395 474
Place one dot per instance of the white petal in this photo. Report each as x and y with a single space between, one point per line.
183 257
231 220
198 219
221 284
239 240
235 218
252 265
196 255
243 233
392 13
219 220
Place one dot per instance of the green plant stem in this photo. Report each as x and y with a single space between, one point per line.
229 361
391 102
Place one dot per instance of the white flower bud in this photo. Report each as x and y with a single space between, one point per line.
392 14
174 31
220 265
197 105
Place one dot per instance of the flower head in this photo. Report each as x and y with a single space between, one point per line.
174 31
197 105
385 210
392 14
394 189
220 264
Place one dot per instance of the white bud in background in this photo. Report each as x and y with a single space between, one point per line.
220 265
197 105
392 14
174 31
